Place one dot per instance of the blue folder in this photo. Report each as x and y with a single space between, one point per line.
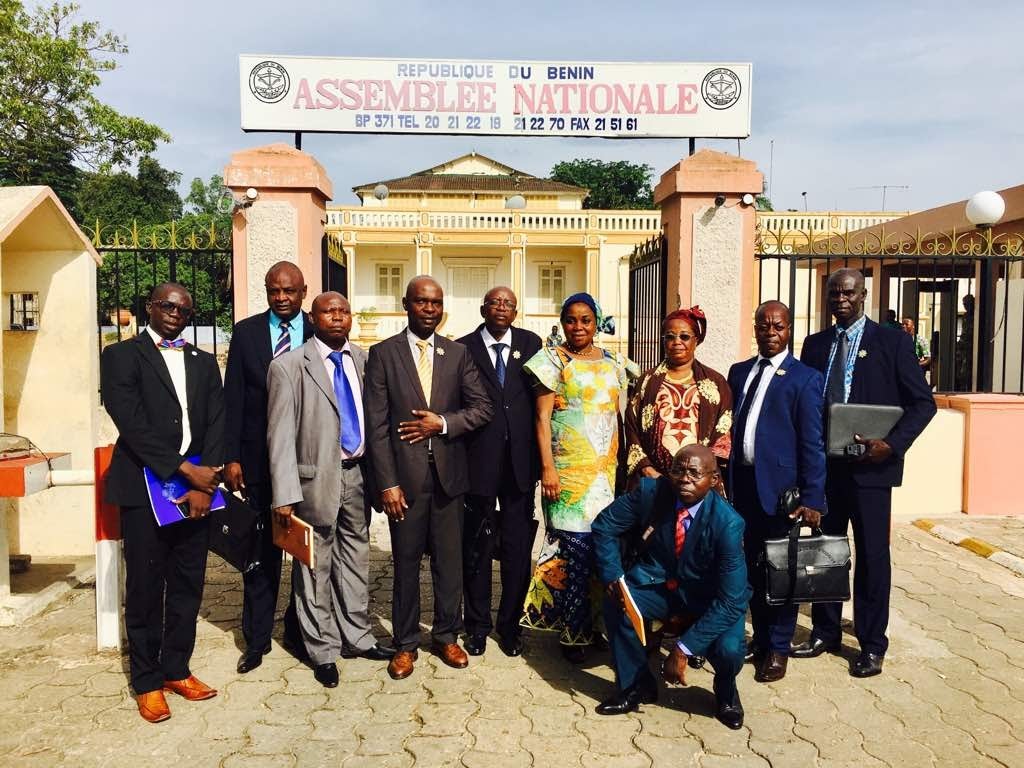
161 493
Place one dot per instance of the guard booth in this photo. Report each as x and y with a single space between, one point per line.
49 382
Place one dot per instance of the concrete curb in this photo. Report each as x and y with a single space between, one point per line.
977 546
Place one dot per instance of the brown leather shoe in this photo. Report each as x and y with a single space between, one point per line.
452 655
191 688
772 667
401 664
153 706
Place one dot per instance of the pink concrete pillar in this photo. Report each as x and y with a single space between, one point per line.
711 248
284 223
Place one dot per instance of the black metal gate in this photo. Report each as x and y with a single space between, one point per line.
961 294
647 276
136 258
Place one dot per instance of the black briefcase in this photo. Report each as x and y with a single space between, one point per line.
805 569
235 533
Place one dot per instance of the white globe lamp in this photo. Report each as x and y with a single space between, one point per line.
985 208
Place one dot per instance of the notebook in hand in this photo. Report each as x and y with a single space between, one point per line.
296 539
871 422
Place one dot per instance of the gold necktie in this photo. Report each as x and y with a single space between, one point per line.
425 369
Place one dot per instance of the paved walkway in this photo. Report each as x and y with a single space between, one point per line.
952 695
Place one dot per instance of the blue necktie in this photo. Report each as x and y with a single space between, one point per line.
350 434
499 362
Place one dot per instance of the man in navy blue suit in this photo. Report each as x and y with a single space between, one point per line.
691 566
864 362
777 444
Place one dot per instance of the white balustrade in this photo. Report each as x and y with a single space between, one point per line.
647 222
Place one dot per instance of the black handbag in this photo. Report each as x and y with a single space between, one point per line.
235 533
805 569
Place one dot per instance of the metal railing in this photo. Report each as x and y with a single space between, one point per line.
964 292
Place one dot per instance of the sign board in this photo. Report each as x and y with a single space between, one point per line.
495 98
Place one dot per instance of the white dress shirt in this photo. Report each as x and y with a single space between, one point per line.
174 359
348 366
755 405
490 341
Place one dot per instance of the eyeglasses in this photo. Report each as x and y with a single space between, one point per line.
500 303
170 308
668 338
691 474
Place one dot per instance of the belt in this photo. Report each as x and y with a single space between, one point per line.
349 463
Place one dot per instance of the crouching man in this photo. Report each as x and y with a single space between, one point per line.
691 565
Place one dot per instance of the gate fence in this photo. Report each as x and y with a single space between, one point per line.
136 258
963 291
647 277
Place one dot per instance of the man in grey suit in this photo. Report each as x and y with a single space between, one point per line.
424 395
316 443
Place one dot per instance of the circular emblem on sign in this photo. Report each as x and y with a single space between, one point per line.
721 88
269 82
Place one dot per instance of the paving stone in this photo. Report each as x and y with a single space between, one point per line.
396 760
267 739
377 738
288 708
734 761
791 753
675 751
452 690
441 719
476 759
502 704
253 760
499 735
396 707
553 722
438 751
330 724
635 760
609 735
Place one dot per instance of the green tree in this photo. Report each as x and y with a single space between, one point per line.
148 197
618 184
51 123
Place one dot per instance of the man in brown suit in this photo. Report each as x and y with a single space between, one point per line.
423 394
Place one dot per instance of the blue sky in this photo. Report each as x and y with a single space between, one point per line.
925 94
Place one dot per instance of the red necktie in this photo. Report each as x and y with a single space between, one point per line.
684 515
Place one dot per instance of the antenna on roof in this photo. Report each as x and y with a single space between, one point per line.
884 188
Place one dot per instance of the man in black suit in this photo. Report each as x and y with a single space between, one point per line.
165 398
864 362
503 468
422 396
256 341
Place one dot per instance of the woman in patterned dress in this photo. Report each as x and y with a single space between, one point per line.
578 388
678 403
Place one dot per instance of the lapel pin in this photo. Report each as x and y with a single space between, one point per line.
862 354
194 352
780 372
440 351
516 354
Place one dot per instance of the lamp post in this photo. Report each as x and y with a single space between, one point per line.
984 210
513 204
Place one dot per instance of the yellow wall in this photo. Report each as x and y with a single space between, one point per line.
50 386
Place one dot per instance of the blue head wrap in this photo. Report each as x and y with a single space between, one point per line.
605 324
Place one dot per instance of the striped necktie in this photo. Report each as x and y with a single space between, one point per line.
682 524
424 368
284 341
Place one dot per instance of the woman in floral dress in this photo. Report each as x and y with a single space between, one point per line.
578 389
678 403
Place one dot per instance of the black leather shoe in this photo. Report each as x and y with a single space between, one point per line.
511 645
627 701
771 668
251 659
696 662
326 675
812 649
730 715
754 654
376 652
867 665
475 645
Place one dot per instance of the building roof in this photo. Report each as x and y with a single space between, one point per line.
493 177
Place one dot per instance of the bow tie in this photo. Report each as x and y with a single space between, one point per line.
177 344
